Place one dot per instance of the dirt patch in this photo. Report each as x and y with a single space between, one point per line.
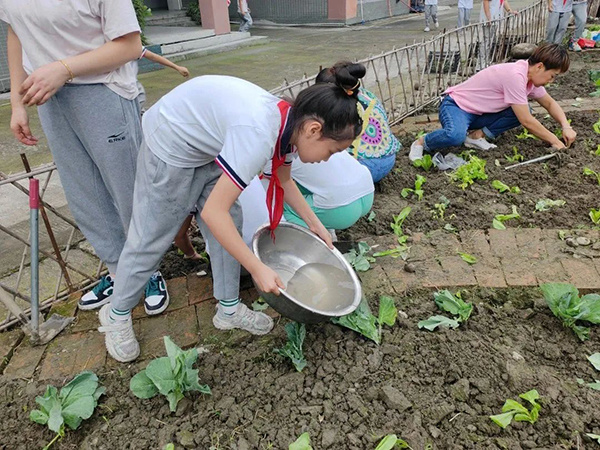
576 82
431 388
476 206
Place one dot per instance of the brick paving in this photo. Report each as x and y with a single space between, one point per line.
505 258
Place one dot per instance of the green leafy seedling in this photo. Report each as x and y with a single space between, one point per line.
74 403
466 174
499 219
420 134
516 156
590 172
469 259
371 216
595 386
425 163
526 135
302 443
595 360
452 304
546 204
397 224
596 125
440 208
558 132
418 191
595 216
259 304
565 303
170 375
296 332
594 436
364 322
391 441
501 187
513 410
359 257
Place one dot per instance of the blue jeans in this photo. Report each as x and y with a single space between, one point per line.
379 167
456 122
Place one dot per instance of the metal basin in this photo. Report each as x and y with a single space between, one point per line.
295 247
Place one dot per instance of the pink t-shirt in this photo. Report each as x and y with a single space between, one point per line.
495 89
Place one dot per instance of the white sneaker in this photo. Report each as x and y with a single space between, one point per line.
245 319
480 144
416 151
426 29
119 337
437 24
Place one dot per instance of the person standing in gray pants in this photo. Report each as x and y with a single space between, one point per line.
245 17
559 14
78 72
580 14
431 14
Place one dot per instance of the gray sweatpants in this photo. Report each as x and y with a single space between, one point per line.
580 14
164 195
557 26
430 14
464 17
94 136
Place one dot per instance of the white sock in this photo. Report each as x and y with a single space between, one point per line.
117 315
230 306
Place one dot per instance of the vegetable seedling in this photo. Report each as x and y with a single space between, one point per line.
516 156
595 386
558 132
359 257
595 216
302 443
594 436
170 375
595 360
513 410
425 163
440 208
296 332
466 174
501 187
75 402
452 304
364 322
596 125
546 204
499 219
565 303
371 216
419 181
391 441
589 172
396 225
469 259
526 135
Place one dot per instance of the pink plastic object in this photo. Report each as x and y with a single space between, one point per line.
34 193
586 43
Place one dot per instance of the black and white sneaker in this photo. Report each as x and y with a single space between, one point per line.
157 297
98 296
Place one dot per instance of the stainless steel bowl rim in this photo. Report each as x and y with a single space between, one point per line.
355 281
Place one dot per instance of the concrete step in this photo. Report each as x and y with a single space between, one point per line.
161 35
198 44
218 48
169 18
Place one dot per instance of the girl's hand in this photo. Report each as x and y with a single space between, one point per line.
183 71
19 125
43 83
550 8
267 280
322 232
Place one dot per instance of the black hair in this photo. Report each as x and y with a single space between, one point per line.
552 56
332 103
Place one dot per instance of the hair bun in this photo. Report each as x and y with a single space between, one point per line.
348 75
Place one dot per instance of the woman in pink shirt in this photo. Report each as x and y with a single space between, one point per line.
495 100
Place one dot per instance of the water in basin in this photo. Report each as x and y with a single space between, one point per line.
322 286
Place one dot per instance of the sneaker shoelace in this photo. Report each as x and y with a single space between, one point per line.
121 331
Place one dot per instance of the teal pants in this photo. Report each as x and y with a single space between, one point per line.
338 218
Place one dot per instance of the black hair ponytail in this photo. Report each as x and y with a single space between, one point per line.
332 101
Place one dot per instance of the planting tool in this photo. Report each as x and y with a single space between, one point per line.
46 331
534 160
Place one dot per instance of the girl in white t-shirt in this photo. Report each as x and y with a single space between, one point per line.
203 144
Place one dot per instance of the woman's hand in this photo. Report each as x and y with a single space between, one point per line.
183 71
267 280
322 232
569 136
19 125
43 83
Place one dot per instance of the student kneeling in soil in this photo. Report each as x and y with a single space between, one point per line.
495 100
203 143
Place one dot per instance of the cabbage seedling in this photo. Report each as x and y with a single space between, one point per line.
546 204
516 156
499 219
296 332
452 304
425 163
419 181
513 410
391 441
501 187
364 322
302 443
590 172
359 258
595 216
466 174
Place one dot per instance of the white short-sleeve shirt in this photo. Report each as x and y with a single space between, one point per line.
336 182
496 10
51 30
216 117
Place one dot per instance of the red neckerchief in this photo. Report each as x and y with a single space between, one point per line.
275 191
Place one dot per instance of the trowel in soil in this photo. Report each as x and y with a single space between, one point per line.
534 160
46 331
